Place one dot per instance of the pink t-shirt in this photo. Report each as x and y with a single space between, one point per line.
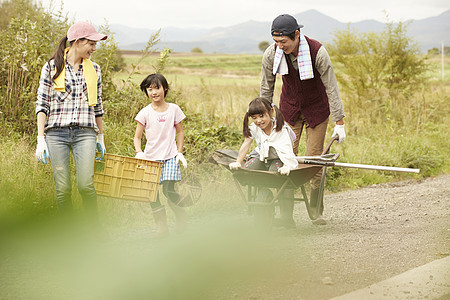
160 131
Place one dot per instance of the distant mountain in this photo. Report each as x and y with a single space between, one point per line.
245 37
127 36
430 32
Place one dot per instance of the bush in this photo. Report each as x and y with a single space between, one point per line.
371 62
202 139
27 43
10 9
378 72
263 45
197 50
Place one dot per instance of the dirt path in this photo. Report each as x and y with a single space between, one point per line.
372 234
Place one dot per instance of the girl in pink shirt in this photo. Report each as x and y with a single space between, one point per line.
161 122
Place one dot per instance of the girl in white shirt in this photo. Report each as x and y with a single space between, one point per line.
273 137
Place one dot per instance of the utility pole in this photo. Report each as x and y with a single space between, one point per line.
442 59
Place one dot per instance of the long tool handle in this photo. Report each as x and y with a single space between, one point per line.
379 168
356 166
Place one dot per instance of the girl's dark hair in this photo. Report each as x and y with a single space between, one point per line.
157 80
260 106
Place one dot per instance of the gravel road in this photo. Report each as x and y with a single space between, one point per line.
372 234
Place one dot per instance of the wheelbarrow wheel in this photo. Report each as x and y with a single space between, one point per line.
262 210
190 192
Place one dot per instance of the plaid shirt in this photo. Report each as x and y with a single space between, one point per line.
69 108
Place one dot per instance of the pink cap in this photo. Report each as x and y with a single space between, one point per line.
84 30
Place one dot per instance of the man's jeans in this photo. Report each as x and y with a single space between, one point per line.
82 142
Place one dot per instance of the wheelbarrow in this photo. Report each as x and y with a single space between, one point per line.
261 202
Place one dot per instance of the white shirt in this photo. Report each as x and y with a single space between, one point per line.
280 141
160 131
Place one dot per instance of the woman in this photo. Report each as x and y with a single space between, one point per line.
69 115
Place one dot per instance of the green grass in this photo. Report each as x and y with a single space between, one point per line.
188 69
435 72
242 64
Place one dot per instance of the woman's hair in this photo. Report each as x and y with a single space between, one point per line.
157 80
59 56
260 106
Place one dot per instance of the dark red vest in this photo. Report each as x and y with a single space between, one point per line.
306 97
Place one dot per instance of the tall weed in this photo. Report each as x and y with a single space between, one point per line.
27 188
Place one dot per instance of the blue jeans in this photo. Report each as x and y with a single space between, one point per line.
82 142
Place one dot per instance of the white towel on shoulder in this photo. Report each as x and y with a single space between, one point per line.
279 63
303 59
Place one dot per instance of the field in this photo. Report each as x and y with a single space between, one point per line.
219 87
212 85
231 81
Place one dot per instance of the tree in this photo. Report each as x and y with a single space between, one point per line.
263 45
433 51
379 73
197 50
373 64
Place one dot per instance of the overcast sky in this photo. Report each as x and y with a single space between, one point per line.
154 14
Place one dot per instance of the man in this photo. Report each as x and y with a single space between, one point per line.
309 95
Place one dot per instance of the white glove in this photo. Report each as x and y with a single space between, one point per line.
180 157
140 155
339 131
41 150
100 145
284 170
234 165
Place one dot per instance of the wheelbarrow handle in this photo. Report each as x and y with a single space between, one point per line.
328 146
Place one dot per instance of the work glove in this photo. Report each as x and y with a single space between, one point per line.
339 131
41 150
180 157
234 165
100 145
140 155
284 170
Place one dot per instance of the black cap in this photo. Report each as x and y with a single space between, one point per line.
284 25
